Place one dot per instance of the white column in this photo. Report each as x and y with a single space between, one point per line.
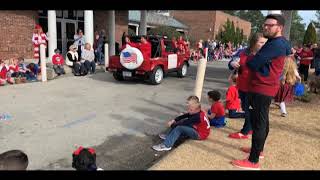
143 23
52 32
88 26
111 32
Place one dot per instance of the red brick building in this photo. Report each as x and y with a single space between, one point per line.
206 24
16 28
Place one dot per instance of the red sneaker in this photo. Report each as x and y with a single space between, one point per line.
238 135
245 164
250 132
248 150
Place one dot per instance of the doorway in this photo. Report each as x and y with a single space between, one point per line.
66 29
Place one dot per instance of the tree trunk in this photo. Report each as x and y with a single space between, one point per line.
288 17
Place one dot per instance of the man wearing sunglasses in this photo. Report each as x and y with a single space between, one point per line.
266 68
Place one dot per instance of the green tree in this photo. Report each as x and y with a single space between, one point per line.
255 17
164 31
230 33
310 36
297 28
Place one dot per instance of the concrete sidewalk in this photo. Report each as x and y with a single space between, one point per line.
289 145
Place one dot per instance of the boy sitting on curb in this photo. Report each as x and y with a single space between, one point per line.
194 124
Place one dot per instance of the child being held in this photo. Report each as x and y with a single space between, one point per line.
216 113
232 98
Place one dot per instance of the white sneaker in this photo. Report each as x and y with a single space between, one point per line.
162 136
161 147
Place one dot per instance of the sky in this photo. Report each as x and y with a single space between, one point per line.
306 15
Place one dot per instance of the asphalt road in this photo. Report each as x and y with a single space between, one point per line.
121 120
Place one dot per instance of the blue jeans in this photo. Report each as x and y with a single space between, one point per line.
100 56
245 107
176 132
234 114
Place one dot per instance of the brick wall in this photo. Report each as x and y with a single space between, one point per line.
200 22
16 28
101 22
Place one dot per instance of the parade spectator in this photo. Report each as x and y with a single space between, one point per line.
5 73
87 60
24 71
84 159
238 64
306 56
99 47
317 61
193 124
38 38
58 62
13 160
288 78
79 41
95 44
216 113
266 67
73 60
232 99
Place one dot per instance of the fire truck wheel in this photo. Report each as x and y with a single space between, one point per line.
156 76
118 76
182 72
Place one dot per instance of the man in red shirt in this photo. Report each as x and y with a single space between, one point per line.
306 56
193 124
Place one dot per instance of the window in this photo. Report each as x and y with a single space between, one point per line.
80 15
59 14
81 26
